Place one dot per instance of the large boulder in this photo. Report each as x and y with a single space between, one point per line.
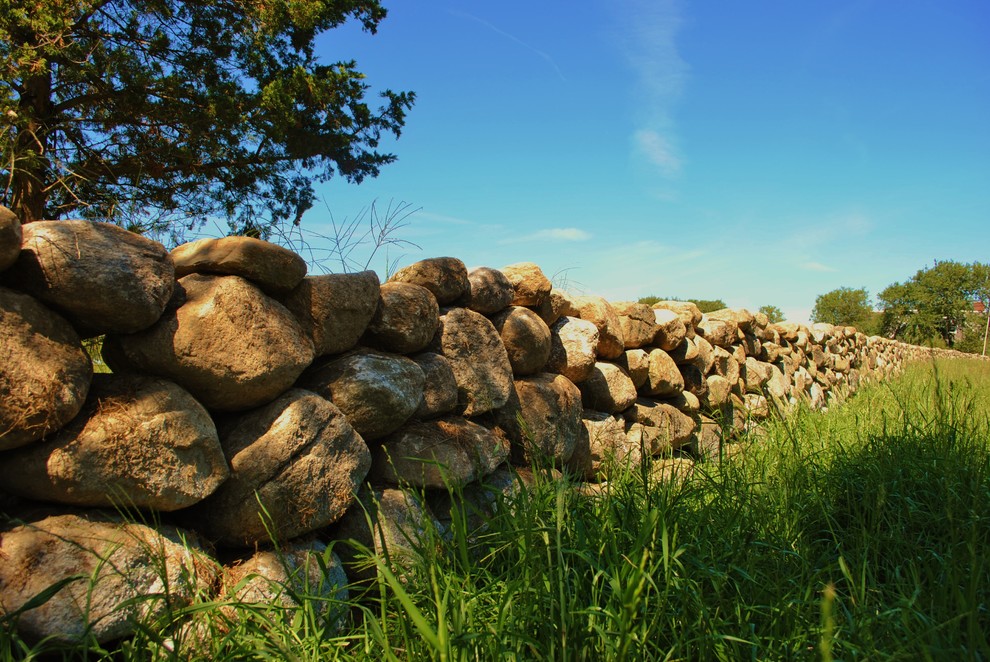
439 388
608 389
664 379
44 372
406 319
636 363
10 238
442 453
637 322
743 319
139 441
687 311
228 344
100 276
573 342
530 286
717 391
668 428
559 304
670 329
478 358
599 312
303 570
721 332
445 277
334 310
377 392
542 418
490 291
604 442
113 576
386 523
274 269
295 465
694 379
526 338
757 374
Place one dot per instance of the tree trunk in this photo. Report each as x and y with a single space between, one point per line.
29 181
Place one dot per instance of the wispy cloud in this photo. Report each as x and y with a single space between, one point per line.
440 218
816 266
658 151
551 234
542 54
648 36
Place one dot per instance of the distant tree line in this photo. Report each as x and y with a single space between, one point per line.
933 307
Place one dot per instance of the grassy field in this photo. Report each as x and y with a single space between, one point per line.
863 533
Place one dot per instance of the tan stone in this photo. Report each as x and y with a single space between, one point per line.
718 391
100 276
604 443
637 322
664 378
139 442
490 291
445 277
300 570
295 465
670 428
670 329
44 372
572 348
478 358
274 269
10 238
531 287
440 387
636 363
718 332
526 338
442 453
688 311
378 392
542 419
113 574
228 344
599 312
334 310
686 351
390 523
406 319
608 389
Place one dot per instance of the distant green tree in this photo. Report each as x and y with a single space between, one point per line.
164 115
652 299
845 306
935 302
773 313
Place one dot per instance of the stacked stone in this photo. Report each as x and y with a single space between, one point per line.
249 401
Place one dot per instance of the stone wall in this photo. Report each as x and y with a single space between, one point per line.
248 400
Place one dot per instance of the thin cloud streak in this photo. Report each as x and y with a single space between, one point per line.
542 54
817 266
551 234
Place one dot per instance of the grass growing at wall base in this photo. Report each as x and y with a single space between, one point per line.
860 534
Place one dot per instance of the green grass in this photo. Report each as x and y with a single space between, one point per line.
859 534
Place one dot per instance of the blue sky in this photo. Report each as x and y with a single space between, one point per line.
758 152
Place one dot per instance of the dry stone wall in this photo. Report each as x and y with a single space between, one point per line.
248 400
